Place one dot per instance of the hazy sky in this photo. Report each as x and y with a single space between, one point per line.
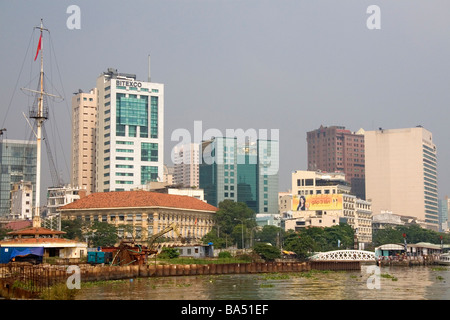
250 64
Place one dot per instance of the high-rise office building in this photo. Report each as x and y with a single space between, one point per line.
242 172
444 210
401 173
336 149
186 158
18 163
84 113
130 132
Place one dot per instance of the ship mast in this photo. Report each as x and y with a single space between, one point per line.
40 115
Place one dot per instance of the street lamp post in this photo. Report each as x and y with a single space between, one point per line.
242 230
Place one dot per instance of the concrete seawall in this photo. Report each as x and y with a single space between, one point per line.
47 275
101 273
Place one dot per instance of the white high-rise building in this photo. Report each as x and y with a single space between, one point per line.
130 132
84 113
22 200
186 158
401 173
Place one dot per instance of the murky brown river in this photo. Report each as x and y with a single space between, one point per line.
386 283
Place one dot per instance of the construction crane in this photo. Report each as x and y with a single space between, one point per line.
171 227
129 252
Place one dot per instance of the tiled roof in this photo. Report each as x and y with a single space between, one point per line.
37 241
138 199
33 230
17 225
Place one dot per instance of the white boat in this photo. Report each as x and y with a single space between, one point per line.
444 259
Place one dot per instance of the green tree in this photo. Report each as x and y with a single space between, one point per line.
73 229
225 255
342 234
238 236
169 253
3 232
231 213
302 244
413 232
387 235
315 237
231 220
103 234
266 251
269 234
213 237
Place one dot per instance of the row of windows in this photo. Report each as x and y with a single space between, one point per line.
149 151
134 89
154 117
326 191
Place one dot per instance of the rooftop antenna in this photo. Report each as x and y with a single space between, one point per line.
149 77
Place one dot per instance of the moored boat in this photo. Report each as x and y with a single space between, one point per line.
444 259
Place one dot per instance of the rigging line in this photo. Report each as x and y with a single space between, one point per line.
31 68
54 89
17 82
61 145
54 127
52 50
60 78
50 159
28 85
63 153
26 146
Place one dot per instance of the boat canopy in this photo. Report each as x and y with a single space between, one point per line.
391 246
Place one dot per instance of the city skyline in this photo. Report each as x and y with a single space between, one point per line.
292 66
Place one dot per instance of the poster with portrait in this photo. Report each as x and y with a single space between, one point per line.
317 202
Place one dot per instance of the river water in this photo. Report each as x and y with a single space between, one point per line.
370 283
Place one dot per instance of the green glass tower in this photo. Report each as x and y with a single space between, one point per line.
240 171
18 163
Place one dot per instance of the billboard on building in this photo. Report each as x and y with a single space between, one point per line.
317 202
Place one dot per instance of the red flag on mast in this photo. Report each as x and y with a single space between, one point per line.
38 48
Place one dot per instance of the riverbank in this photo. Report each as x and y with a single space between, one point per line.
26 281
392 283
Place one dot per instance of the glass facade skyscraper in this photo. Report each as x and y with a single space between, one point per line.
18 163
129 132
243 172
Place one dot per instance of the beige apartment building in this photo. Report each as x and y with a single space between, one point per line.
84 113
284 202
322 199
401 173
